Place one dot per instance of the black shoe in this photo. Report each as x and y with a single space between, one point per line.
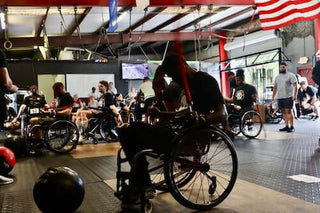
286 128
130 195
291 129
315 118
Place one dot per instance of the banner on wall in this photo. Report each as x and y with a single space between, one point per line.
113 13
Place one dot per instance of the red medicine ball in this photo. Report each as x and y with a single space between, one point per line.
7 160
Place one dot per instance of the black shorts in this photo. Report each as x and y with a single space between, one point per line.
285 103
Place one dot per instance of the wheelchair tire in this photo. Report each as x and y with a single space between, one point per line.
131 118
211 156
29 134
108 130
277 118
251 124
62 136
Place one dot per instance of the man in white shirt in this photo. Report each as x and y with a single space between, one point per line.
147 91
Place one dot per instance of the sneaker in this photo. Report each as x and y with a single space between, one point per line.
291 129
5 180
315 118
286 128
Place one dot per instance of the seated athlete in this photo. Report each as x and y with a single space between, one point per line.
105 104
244 95
138 136
31 106
63 108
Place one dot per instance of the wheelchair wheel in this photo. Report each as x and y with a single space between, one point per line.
251 124
277 117
30 137
62 136
234 123
131 118
210 159
108 130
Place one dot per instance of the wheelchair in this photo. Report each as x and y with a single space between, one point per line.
245 121
103 124
199 169
274 114
59 135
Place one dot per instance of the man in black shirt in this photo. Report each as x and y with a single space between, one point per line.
207 100
31 107
105 103
307 99
244 95
6 87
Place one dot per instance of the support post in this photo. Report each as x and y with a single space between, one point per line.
317 36
224 81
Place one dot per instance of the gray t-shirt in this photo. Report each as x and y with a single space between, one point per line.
284 82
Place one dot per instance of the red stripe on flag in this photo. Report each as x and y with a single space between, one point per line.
306 9
276 18
290 22
296 13
268 3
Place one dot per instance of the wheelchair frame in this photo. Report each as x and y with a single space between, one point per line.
59 136
244 123
208 172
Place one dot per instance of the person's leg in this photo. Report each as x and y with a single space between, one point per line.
289 116
282 106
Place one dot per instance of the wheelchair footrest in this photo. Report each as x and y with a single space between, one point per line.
123 175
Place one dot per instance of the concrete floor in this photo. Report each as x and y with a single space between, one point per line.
262 185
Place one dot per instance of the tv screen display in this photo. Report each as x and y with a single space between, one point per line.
134 71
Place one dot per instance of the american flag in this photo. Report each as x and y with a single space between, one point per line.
280 13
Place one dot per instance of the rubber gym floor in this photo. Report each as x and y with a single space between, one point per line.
264 182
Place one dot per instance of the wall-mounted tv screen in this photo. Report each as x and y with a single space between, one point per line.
134 71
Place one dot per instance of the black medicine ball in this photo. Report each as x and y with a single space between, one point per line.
59 189
17 144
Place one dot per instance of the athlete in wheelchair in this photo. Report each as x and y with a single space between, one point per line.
195 161
103 119
242 117
50 128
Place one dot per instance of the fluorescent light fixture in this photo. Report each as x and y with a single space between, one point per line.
42 11
303 60
2 20
250 39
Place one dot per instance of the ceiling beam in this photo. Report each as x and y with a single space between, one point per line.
121 3
41 25
112 38
144 19
228 18
106 25
78 22
141 22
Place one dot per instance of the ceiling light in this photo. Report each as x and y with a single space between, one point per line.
2 20
303 60
42 11
185 10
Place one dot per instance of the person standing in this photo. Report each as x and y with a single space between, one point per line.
6 87
285 91
147 91
112 89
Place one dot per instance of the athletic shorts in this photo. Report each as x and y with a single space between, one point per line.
285 103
